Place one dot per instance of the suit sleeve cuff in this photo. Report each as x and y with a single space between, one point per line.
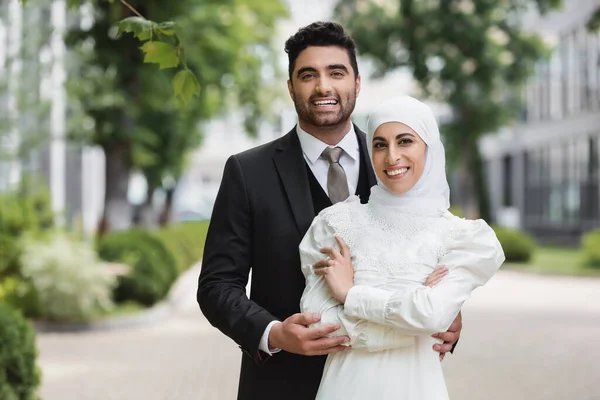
264 341
367 303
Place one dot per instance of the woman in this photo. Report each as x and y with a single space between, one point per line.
372 286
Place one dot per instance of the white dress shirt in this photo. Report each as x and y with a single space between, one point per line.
312 148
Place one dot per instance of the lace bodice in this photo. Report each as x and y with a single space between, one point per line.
404 245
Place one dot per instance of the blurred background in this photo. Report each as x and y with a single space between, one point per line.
107 183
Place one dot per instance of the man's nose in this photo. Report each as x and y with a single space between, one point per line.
323 86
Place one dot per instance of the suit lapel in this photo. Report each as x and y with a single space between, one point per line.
291 168
362 145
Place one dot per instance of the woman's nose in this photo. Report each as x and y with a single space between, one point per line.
393 156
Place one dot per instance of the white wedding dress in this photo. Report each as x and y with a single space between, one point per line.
389 314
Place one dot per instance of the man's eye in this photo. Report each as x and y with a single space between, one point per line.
307 76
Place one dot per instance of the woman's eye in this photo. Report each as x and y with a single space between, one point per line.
379 145
405 141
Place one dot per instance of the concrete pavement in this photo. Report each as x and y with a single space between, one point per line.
525 337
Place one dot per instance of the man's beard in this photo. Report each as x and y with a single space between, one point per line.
305 113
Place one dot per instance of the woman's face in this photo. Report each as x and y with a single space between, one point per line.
398 156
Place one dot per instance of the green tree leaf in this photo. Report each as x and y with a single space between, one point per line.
186 85
140 27
166 28
160 53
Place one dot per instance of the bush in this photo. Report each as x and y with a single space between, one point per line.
20 295
20 213
154 268
591 249
19 375
9 254
186 241
70 281
517 245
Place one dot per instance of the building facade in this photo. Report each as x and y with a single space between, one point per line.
34 112
543 173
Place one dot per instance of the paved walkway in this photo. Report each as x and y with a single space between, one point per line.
525 337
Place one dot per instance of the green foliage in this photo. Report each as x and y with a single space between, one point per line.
518 246
457 211
186 85
19 374
473 55
186 241
9 254
69 280
593 23
591 249
127 107
20 294
153 267
23 210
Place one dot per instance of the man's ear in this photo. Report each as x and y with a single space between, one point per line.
358 82
290 89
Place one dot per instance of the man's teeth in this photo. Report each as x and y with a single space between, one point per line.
326 103
397 171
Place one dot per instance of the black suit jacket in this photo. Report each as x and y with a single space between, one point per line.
262 211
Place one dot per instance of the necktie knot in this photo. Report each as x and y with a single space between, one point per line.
332 154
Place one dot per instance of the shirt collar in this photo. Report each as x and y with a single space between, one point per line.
313 147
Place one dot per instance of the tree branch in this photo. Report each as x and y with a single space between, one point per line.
136 12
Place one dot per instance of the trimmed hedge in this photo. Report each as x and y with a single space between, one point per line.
591 249
153 266
518 246
186 241
156 258
19 374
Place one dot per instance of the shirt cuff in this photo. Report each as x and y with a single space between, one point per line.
264 341
368 303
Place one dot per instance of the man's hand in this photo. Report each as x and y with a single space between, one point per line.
436 276
294 336
450 337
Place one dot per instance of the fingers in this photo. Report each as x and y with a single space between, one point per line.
332 251
442 348
332 350
450 337
304 318
326 345
436 276
321 263
345 250
321 331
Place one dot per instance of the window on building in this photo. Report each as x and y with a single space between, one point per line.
507 174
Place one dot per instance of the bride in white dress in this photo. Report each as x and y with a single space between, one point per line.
380 254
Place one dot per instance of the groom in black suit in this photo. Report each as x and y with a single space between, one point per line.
268 198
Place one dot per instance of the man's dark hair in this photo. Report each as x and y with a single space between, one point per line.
320 34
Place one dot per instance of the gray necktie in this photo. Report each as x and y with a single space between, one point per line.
337 184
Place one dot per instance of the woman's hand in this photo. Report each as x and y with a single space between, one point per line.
337 270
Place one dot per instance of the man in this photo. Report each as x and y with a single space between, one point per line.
268 198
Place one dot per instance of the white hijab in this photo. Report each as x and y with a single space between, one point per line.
431 194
